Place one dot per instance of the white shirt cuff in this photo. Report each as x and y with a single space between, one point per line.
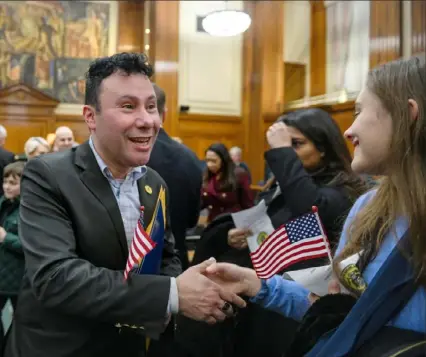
173 305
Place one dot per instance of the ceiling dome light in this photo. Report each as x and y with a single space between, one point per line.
226 23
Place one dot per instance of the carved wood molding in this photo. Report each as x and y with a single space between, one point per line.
20 94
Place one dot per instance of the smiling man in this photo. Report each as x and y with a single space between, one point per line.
79 211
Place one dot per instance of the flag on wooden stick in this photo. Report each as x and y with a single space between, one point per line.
300 239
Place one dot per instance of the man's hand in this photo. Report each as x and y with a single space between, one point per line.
278 136
237 238
234 278
201 298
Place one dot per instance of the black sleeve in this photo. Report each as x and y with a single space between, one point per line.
301 192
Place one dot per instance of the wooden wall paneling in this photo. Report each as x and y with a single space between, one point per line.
263 77
25 112
294 79
164 54
343 114
198 131
418 25
318 58
267 122
385 31
130 26
19 130
250 89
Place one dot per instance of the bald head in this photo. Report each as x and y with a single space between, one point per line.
64 138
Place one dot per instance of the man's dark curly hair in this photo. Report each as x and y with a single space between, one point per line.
101 68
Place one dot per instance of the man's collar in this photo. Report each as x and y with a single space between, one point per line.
136 173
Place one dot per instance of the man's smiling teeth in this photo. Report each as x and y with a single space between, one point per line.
140 140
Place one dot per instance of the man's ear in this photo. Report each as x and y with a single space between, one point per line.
89 115
414 108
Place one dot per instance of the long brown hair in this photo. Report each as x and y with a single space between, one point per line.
403 191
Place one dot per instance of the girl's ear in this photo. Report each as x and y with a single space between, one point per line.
414 108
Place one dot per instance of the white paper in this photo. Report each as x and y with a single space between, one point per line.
316 279
257 221
313 279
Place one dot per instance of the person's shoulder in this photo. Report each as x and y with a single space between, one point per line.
56 160
6 153
363 200
240 173
244 166
359 204
190 157
187 158
153 176
51 167
239 170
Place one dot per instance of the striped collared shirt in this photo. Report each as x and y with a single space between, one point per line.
126 193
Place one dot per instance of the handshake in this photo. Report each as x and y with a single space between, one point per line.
208 291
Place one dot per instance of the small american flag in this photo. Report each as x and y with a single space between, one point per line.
142 244
299 239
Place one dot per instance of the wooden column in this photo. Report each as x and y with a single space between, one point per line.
130 26
263 77
385 31
318 57
164 54
418 26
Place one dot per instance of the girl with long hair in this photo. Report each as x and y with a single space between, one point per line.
386 227
310 161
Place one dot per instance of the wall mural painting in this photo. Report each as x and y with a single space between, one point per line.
48 45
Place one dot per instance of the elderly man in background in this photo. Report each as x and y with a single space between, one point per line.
64 139
235 152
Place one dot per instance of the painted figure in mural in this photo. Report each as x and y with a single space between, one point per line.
39 39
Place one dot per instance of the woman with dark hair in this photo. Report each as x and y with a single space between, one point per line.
311 164
225 188
310 161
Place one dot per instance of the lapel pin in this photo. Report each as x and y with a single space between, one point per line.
148 189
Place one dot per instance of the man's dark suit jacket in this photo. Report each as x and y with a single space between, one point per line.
6 158
73 291
181 170
244 166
